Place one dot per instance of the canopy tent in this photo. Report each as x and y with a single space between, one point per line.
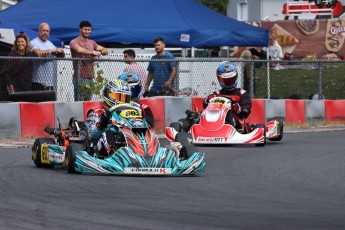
182 23
9 30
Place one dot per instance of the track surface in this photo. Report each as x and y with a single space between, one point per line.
294 184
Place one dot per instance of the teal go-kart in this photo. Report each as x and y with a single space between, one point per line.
137 151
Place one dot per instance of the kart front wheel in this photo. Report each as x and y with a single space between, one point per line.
37 151
70 156
186 151
184 138
281 130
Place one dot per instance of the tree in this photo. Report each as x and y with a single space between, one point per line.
217 5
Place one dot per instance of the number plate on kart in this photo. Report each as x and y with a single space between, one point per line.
130 113
45 154
211 139
220 100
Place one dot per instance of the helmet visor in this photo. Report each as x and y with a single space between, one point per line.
120 97
227 81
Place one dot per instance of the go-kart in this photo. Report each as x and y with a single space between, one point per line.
137 150
209 127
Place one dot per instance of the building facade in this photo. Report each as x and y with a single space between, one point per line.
254 10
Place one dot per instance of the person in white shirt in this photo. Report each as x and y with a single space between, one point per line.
275 51
133 66
44 71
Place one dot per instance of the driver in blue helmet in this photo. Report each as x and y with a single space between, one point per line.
115 92
133 81
227 76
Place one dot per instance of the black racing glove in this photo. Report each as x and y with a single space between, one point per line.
236 108
208 98
104 121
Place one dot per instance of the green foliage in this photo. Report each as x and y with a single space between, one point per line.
217 5
95 86
303 81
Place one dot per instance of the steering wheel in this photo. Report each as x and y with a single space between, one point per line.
222 96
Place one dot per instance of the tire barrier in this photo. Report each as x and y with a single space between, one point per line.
334 110
157 106
28 119
34 117
295 112
257 114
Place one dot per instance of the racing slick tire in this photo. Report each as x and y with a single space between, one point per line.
281 129
187 146
177 126
187 151
264 127
184 138
70 156
33 96
36 150
185 124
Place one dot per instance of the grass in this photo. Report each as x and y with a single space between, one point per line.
303 82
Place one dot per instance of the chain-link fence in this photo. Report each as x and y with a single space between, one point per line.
195 76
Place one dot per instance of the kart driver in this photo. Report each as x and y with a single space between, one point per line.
227 76
115 92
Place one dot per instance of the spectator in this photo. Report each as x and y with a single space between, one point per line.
248 73
274 50
161 72
44 71
133 66
83 47
16 74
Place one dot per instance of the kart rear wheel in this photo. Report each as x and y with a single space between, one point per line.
281 130
186 151
177 126
70 156
36 151
184 138
264 134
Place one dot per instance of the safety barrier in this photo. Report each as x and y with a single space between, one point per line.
28 119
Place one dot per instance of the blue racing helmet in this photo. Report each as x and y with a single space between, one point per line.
227 75
133 81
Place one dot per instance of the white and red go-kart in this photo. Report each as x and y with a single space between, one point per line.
210 128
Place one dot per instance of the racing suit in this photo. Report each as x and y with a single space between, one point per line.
241 104
107 140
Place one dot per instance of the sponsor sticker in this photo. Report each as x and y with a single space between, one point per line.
184 37
152 171
77 138
211 139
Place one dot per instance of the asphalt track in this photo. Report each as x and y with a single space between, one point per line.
295 184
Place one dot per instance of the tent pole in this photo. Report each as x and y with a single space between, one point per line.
184 52
268 74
